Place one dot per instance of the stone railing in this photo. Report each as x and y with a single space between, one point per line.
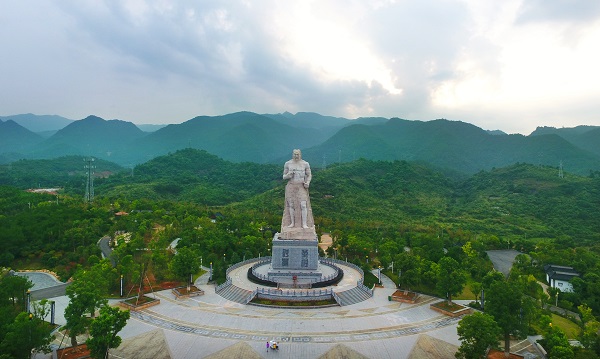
294 295
229 281
223 285
317 276
360 283
251 296
337 298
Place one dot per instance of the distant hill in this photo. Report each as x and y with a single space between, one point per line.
92 136
309 120
150 128
239 137
451 144
584 137
39 123
16 138
195 175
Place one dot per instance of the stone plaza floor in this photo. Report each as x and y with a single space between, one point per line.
210 326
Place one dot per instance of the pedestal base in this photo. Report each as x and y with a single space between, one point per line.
295 261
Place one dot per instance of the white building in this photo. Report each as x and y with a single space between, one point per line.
560 277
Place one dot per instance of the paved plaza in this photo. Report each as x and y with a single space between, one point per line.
210 326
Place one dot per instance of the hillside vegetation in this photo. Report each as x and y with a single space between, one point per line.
380 212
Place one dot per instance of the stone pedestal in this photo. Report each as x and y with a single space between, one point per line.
295 260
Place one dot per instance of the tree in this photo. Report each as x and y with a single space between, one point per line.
589 327
86 294
26 334
13 289
504 302
185 263
555 340
477 332
104 330
77 322
451 278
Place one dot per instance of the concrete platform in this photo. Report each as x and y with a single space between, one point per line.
205 326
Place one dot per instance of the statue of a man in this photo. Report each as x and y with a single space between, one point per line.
297 203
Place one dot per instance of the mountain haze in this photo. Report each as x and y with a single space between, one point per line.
16 138
92 136
39 123
452 146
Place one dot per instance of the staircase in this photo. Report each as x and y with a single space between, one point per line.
353 296
234 294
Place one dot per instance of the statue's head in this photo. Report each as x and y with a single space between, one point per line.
297 154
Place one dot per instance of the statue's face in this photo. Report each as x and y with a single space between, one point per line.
296 154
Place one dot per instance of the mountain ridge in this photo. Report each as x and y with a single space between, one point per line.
263 138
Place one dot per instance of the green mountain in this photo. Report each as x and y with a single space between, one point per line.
453 145
195 176
533 200
16 138
584 137
92 136
239 137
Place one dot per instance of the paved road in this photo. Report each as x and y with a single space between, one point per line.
103 243
503 259
51 292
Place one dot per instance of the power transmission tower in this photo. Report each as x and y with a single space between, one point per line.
560 170
324 162
89 185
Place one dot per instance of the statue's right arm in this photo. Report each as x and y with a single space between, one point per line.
286 172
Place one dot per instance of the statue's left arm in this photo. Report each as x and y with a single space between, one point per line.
307 175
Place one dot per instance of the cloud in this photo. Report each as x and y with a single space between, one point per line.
168 61
570 11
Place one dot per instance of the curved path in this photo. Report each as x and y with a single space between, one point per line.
376 328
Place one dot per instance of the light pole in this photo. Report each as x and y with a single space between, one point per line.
210 276
379 274
28 301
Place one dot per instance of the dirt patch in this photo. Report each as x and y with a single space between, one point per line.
326 241
81 351
495 354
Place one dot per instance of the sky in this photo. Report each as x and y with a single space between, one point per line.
511 65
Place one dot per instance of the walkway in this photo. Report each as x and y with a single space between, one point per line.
204 326
376 327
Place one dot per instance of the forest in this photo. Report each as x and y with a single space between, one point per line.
403 216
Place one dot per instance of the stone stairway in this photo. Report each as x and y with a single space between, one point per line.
353 296
234 294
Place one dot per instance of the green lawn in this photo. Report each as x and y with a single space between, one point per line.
570 328
466 294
